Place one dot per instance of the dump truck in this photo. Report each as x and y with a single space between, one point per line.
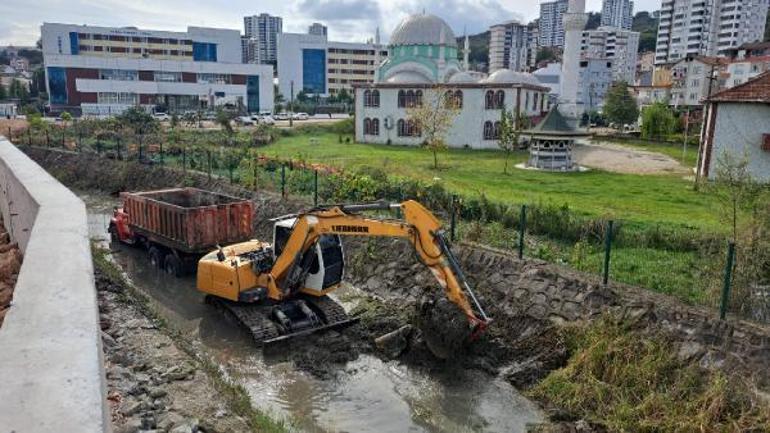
178 226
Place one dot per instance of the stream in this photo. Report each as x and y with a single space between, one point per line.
367 395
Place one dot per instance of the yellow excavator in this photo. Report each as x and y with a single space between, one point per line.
278 291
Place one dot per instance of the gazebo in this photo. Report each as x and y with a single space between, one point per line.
551 143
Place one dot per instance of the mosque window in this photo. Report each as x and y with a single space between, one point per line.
375 126
371 126
453 99
499 99
489 100
418 98
408 128
458 99
367 100
401 99
401 128
534 105
491 130
375 99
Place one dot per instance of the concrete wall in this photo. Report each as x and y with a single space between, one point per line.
51 367
739 128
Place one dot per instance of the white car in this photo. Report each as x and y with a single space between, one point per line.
267 120
300 116
281 116
163 117
245 120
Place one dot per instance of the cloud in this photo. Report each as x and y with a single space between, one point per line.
340 10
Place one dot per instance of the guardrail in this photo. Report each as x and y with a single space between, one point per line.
51 366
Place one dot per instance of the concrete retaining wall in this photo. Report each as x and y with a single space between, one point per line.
51 367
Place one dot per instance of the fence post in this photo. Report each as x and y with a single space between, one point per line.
256 162
728 280
184 160
29 137
522 228
607 250
208 157
283 181
315 187
453 218
117 146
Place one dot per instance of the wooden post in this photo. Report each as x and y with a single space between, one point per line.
453 218
607 251
728 280
522 227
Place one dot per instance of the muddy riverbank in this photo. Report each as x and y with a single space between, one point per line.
10 263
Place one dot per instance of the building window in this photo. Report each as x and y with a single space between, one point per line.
118 75
168 77
57 84
371 98
453 99
494 100
371 126
314 71
376 103
401 99
119 98
407 128
491 130
534 104
202 51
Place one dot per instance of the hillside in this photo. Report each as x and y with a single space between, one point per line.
647 25
479 55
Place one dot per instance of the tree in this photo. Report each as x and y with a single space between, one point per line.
432 117
510 132
545 54
302 96
658 121
224 119
3 93
138 120
344 97
65 117
619 105
735 188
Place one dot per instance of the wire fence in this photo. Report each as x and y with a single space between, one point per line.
523 226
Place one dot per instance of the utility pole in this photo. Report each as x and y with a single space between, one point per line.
686 131
704 121
291 105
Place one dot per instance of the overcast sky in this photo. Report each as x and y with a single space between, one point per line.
348 20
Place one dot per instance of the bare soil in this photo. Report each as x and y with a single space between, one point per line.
619 159
10 263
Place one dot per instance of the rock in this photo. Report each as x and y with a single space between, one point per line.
132 425
157 392
189 426
690 350
107 340
130 407
394 343
168 420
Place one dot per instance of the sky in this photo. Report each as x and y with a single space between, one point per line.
348 20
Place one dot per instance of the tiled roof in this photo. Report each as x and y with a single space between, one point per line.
754 90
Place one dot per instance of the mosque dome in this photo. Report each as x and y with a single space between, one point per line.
507 76
463 78
408 77
423 29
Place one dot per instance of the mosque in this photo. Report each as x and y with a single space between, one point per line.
423 60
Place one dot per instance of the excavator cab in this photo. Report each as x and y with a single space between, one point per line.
327 266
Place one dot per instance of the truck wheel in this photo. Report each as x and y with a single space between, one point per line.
173 265
156 258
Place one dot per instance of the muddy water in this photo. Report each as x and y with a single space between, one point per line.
368 395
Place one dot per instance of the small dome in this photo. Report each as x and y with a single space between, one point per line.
507 76
463 77
423 29
408 77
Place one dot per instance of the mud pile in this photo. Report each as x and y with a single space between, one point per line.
10 263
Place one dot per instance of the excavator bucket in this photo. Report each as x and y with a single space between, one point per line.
271 324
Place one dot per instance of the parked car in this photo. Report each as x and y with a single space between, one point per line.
245 120
267 120
163 117
281 116
301 116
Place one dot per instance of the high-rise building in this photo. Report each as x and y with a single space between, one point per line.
105 70
533 43
318 29
614 45
508 46
250 50
317 66
551 31
691 28
265 29
617 13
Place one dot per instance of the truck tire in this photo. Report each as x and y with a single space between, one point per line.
173 266
156 257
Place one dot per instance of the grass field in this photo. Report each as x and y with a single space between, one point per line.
634 198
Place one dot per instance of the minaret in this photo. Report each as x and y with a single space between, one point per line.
441 56
377 54
574 22
466 52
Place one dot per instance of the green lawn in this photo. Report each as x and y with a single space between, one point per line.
637 198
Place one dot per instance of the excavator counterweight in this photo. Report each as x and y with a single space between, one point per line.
280 290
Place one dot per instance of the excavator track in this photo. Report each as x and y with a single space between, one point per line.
256 319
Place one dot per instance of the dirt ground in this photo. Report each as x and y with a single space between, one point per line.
10 263
619 159
14 124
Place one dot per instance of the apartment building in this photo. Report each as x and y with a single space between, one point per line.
693 79
250 50
614 45
322 67
533 43
104 70
747 62
509 47
265 30
617 13
318 29
551 24
707 27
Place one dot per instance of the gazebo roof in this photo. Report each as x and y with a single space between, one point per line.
554 124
